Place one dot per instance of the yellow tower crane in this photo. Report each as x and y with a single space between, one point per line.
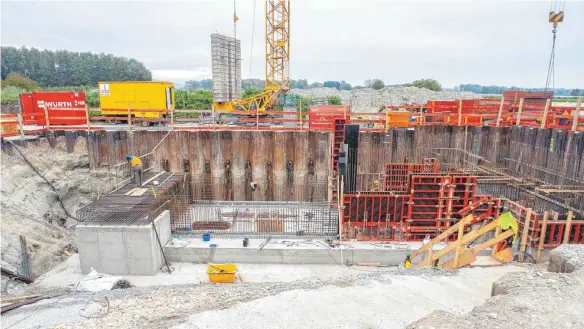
277 85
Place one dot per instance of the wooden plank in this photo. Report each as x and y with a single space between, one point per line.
153 178
442 235
459 246
139 192
545 113
494 249
568 227
500 111
546 215
519 112
14 299
525 233
577 116
131 191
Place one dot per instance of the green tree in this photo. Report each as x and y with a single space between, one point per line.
426 83
315 85
64 68
345 85
377 84
251 92
335 100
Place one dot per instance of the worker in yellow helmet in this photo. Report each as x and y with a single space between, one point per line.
375 187
137 167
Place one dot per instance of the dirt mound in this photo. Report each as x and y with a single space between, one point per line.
31 208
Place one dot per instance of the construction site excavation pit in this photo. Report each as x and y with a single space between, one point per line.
400 229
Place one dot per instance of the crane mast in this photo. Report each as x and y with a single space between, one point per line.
277 47
277 84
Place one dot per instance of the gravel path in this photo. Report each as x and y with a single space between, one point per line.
321 300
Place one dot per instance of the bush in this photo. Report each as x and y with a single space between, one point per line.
196 100
92 98
335 100
20 81
11 93
426 83
377 84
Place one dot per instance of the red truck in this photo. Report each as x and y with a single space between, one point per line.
58 104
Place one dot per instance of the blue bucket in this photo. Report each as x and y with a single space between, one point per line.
206 237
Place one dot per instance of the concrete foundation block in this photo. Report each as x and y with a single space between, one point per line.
123 250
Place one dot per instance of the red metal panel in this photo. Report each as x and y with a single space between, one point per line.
64 108
372 217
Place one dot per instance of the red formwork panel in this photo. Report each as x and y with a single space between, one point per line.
464 188
426 205
373 217
555 233
397 175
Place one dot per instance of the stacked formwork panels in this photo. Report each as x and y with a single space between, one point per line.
226 68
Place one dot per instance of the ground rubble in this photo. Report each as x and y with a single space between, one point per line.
165 307
534 299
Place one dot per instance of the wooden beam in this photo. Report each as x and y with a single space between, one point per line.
546 215
545 113
442 235
459 111
568 227
500 111
519 112
577 116
468 238
459 245
14 299
525 233
494 249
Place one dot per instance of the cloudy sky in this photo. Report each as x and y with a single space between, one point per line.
484 42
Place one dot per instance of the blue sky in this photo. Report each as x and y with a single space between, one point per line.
484 42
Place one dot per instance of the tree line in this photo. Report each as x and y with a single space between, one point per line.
492 89
61 68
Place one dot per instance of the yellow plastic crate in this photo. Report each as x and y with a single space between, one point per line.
222 273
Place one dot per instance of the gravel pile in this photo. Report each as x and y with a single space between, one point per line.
370 100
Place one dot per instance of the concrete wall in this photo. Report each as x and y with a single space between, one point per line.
123 250
285 256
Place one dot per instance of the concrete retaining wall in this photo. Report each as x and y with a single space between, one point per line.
285 256
123 250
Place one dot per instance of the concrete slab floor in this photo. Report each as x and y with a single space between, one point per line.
67 274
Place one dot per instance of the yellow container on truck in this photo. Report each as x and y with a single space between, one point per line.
116 97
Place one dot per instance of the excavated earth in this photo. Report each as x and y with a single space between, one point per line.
538 298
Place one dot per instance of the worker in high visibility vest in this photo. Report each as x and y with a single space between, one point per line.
408 261
137 167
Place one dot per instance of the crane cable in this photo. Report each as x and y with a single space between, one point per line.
558 5
252 35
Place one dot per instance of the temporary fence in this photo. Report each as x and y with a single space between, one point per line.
478 112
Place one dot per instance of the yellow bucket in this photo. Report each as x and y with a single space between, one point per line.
222 273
